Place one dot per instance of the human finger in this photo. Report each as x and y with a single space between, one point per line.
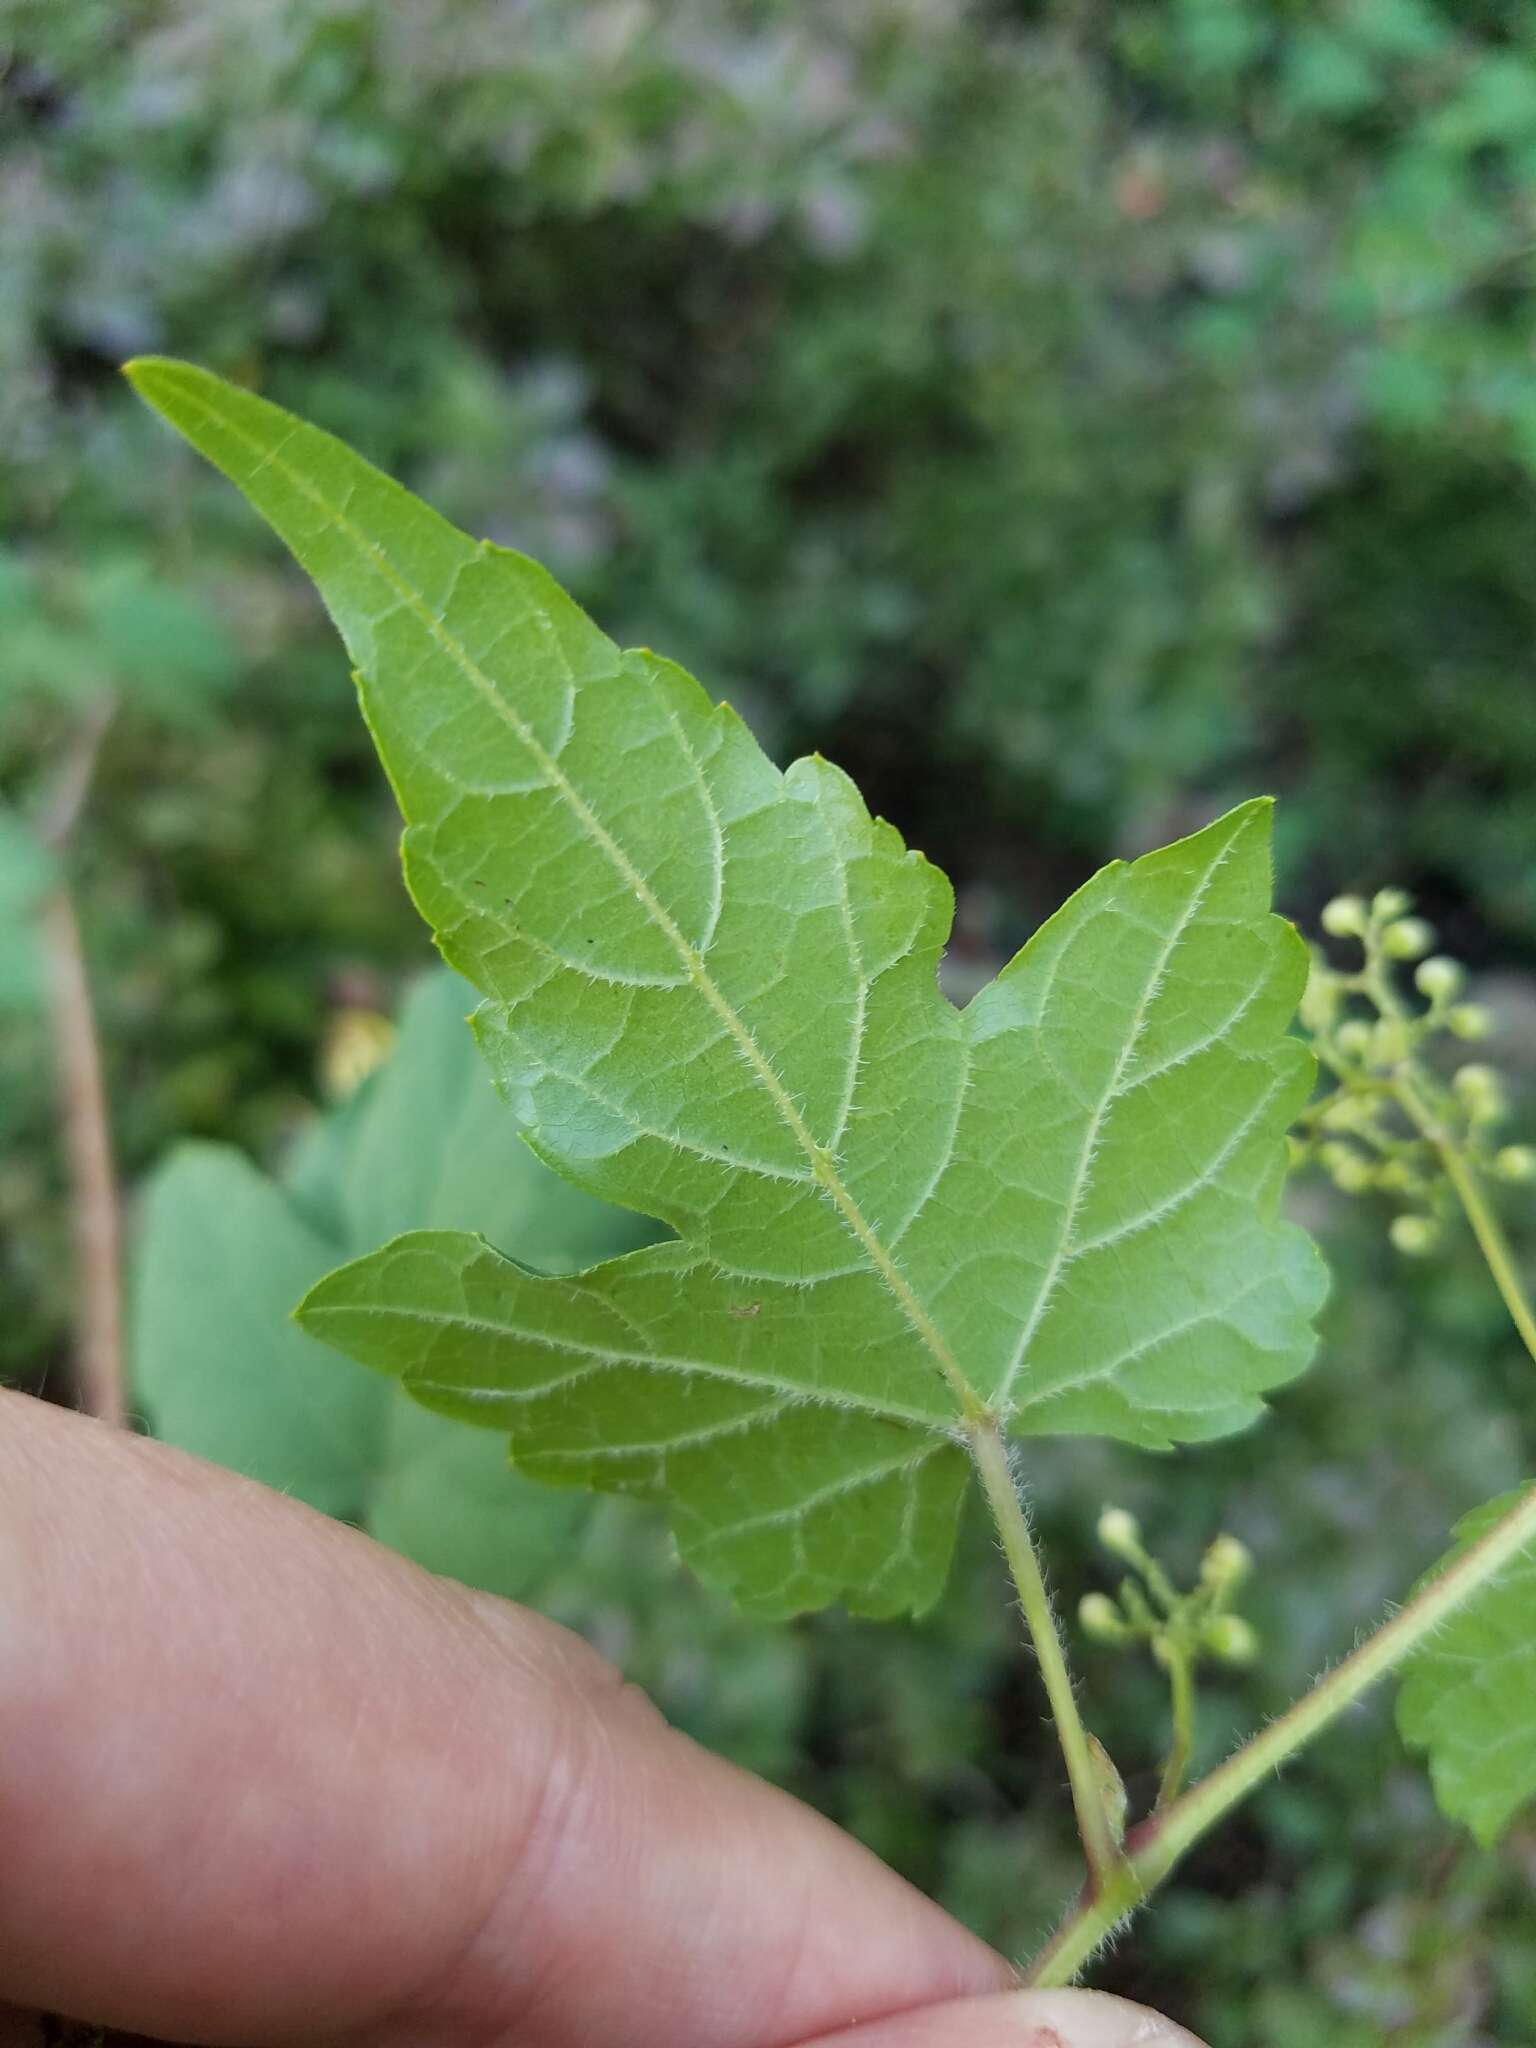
262 1781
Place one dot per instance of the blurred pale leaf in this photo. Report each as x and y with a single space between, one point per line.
26 872
224 1252
113 624
220 1366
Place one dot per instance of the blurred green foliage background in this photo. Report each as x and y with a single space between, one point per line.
1068 417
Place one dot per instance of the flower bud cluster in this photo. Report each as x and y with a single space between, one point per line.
1384 1124
1149 1609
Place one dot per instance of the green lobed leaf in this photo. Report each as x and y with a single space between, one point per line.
711 995
1468 1698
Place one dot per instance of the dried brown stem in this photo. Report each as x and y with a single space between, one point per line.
100 1374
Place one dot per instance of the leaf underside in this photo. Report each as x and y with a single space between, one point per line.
1468 1698
711 995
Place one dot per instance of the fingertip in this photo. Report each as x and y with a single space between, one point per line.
1021 2019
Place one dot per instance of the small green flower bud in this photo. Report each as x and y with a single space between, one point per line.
1515 1162
1396 1177
1347 1168
1413 1235
1469 1020
1344 918
1390 903
1474 1079
1349 1113
1101 1619
1352 1174
1390 1043
1353 1038
1296 1153
1230 1638
1440 979
1479 1092
1120 1532
1225 1565
1408 939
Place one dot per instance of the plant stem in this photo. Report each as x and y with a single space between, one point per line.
1157 1846
100 1378
990 1453
1181 1686
99 1374
1491 1241
1462 1175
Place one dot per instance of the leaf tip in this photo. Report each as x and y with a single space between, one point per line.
323 1296
303 1309
162 381
1258 810
144 373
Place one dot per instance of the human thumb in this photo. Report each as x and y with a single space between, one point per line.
1020 2019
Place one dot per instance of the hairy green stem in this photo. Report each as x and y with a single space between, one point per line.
990 1454
1158 1845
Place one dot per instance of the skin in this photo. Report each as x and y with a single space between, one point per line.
264 1783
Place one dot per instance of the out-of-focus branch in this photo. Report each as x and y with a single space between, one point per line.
100 1374
72 782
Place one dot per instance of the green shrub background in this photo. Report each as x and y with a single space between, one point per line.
1069 418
